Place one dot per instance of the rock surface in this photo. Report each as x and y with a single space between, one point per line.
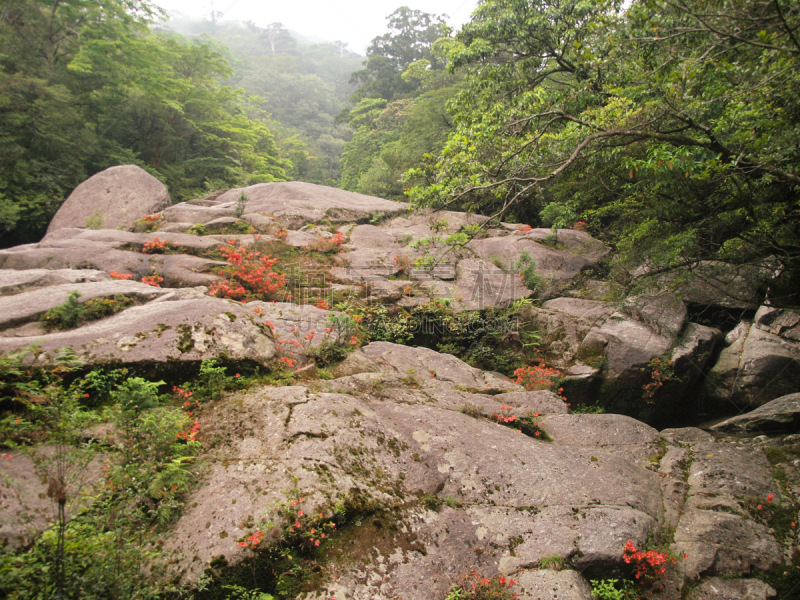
115 197
756 367
385 439
190 329
779 415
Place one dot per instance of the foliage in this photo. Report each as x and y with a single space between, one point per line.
155 246
650 565
614 589
99 543
298 88
401 113
73 313
85 85
666 127
661 371
251 274
241 204
527 271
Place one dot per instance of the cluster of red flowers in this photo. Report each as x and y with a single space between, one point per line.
281 234
660 371
525 229
150 219
252 541
120 276
154 280
253 273
331 244
536 377
322 304
484 588
401 262
580 226
649 565
305 530
182 393
190 435
504 416
155 246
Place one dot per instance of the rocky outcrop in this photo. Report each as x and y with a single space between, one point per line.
380 438
779 415
177 327
756 366
113 198
293 204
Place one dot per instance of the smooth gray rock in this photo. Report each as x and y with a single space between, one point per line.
294 204
663 312
365 442
755 368
29 306
779 415
718 588
782 322
159 332
628 346
427 368
542 584
115 197
15 282
721 543
714 283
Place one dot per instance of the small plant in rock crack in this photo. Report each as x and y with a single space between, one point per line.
478 587
74 313
241 203
305 530
154 280
660 372
651 566
540 377
121 276
328 245
526 423
155 246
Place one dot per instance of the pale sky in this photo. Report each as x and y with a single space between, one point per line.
353 21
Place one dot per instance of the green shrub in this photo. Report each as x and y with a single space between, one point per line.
73 313
241 203
527 270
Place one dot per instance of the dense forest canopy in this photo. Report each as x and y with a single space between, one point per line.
302 87
85 84
669 126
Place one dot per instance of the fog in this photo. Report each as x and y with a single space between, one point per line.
353 21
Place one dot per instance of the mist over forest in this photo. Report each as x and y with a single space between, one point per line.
670 136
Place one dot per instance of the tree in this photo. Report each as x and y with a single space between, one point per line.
84 85
411 38
278 39
668 126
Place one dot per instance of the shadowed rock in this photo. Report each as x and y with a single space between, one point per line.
779 415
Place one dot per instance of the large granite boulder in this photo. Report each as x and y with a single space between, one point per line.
180 327
779 415
293 204
757 366
381 438
113 198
